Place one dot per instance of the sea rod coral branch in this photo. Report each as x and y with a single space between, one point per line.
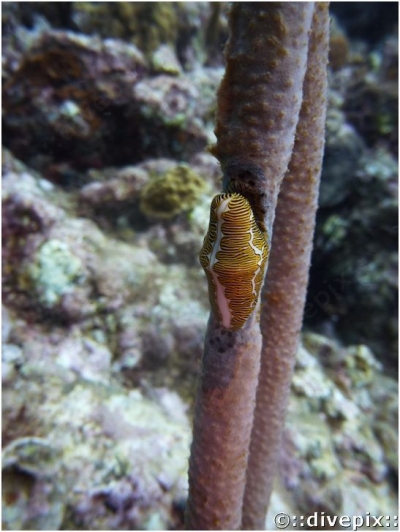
258 105
259 99
285 287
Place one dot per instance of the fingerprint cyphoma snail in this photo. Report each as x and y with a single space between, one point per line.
233 255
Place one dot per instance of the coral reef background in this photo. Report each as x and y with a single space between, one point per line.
108 110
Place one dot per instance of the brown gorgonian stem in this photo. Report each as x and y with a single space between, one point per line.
258 106
285 287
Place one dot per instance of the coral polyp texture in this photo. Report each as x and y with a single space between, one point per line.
170 194
233 256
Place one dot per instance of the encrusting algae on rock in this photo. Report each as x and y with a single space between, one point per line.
56 271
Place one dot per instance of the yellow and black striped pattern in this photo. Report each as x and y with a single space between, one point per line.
233 255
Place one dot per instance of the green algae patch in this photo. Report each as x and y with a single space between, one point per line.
55 272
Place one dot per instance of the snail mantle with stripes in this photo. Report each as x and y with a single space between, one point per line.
233 255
